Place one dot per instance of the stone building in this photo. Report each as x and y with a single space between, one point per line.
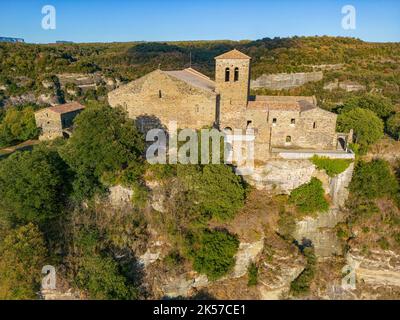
57 121
195 101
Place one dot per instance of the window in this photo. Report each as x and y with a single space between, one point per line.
249 122
293 121
236 77
314 125
227 74
159 94
288 139
274 121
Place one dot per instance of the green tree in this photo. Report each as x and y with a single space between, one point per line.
17 126
213 252
23 255
97 272
393 126
215 189
101 278
33 186
368 128
373 180
301 285
104 143
379 104
309 197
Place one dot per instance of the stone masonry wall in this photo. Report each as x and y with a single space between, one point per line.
50 124
161 98
313 129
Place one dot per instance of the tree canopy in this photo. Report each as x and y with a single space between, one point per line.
17 126
23 255
33 185
213 253
105 142
374 180
367 126
379 104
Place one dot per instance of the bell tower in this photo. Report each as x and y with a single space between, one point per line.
232 79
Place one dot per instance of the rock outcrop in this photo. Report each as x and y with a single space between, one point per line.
321 229
381 268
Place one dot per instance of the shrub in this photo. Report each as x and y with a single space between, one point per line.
380 105
34 185
373 180
286 224
173 259
332 167
393 126
104 143
23 255
17 126
309 197
367 126
101 277
215 189
253 275
383 243
301 285
213 253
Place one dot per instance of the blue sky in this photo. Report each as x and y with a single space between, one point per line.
163 20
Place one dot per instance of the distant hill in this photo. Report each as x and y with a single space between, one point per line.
375 65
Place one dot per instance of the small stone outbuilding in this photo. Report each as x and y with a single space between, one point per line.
57 121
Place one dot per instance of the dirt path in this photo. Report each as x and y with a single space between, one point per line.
20 147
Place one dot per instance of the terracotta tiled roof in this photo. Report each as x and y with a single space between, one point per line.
233 54
285 103
194 78
68 107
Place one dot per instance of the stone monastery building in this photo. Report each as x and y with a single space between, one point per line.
195 101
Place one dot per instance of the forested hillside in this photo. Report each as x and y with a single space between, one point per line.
116 227
373 64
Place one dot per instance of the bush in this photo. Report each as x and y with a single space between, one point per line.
373 180
309 197
34 186
332 167
213 253
384 243
215 189
253 275
23 255
104 143
18 126
101 278
380 105
301 285
367 126
393 126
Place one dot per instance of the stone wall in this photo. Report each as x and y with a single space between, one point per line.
285 80
282 176
160 98
321 230
50 124
312 129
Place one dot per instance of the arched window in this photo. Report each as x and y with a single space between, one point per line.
227 74
236 78
314 125
288 139
159 94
